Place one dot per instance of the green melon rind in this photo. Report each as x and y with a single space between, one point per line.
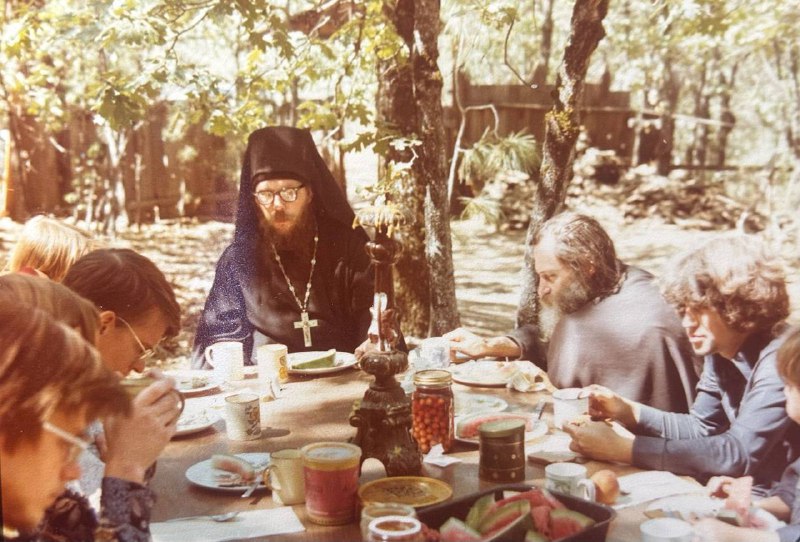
317 361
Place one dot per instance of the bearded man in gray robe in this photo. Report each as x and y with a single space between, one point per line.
601 322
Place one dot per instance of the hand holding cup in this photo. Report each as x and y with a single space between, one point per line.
135 441
604 403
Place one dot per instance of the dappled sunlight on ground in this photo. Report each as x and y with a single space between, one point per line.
487 264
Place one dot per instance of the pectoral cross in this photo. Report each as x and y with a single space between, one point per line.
306 324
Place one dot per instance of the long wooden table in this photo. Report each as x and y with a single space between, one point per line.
317 409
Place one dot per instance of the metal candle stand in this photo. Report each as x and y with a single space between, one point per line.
383 416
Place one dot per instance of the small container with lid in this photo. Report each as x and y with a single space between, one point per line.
432 409
331 480
395 529
502 451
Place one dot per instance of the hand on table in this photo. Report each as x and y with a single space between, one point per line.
135 441
466 343
604 403
604 441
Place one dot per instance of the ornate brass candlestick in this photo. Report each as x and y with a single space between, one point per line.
383 416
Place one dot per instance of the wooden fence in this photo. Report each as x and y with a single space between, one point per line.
606 116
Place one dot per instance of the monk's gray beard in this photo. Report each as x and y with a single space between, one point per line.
574 296
549 315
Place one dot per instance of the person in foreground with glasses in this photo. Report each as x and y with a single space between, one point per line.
297 272
52 383
136 309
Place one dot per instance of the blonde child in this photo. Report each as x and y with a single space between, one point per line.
48 247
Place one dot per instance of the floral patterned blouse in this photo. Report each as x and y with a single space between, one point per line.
124 516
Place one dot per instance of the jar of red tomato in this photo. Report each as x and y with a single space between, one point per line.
432 409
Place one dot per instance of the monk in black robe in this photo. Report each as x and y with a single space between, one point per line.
296 273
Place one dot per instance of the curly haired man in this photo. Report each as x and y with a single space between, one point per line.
731 295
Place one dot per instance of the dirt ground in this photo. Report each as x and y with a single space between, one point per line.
487 285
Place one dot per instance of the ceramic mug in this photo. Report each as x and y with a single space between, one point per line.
569 478
284 476
227 359
666 530
567 405
272 362
243 416
134 385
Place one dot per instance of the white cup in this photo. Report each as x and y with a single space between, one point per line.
272 362
567 405
569 478
434 353
666 530
284 476
243 416
227 359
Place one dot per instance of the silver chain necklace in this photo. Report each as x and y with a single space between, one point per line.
304 321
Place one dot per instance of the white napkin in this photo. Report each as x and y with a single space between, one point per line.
436 457
245 525
649 485
526 377
553 448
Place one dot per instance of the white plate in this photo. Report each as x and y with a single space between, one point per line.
184 380
689 507
472 403
203 475
487 374
538 429
686 507
342 361
195 421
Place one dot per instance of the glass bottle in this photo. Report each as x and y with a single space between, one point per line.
395 529
432 410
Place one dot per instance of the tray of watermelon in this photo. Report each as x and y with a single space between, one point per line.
517 513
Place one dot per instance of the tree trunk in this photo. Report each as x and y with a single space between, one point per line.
542 68
410 99
430 167
396 107
700 105
726 116
561 133
670 92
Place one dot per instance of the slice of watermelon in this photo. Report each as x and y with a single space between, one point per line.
497 519
455 530
478 510
533 536
536 496
541 519
564 522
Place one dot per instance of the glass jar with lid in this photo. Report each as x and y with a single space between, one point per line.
395 529
432 408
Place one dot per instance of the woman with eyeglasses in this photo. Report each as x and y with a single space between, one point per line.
52 383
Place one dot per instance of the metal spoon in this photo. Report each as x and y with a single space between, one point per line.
220 518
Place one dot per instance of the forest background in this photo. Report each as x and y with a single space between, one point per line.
710 134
